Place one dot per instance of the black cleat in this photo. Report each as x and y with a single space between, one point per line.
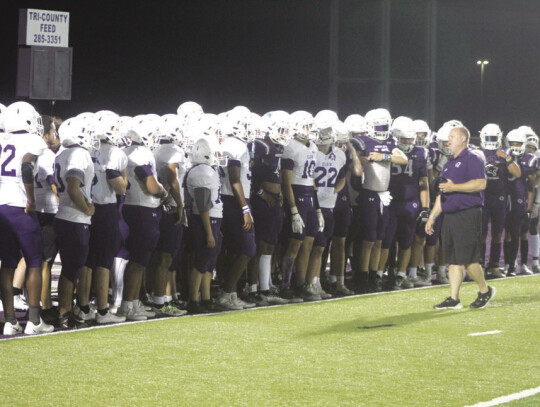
483 299
375 282
449 303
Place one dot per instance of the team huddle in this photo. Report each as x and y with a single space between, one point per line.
239 200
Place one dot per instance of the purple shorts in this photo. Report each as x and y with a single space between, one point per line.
204 258
104 237
73 242
170 235
322 238
143 237
515 224
236 240
303 197
495 210
355 231
342 221
374 216
402 224
50 244
19 232
268 221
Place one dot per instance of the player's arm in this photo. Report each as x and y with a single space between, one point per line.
435 212
145 174
203 200
473 185
27 172
238 191
174 190
398 157
355 166
74 181
531 185
117 180
341 180
423 183
286 186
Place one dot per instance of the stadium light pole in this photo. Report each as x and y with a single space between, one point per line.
482 64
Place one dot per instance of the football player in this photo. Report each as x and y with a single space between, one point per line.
533 148
141 212
499 164
410 192
74 172
521 198
20 146
378 152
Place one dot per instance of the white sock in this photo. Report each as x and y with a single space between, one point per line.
158 300
401 274
442 270
380 273
119 267
340 280
333 279
536 262
265 270
429 268
534 241
168 298
412 272
253 288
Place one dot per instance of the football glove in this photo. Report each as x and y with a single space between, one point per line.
297 222
423 217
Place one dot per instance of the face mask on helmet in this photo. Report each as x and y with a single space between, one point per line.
532 142
423 133
491 137
22 117
378 124
516 141
206 151
302 126
124 124
325 136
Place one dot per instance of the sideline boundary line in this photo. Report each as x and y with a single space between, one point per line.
70 331
508 398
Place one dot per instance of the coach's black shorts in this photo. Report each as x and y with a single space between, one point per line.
461 237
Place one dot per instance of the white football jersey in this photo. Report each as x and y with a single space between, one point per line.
45 198
136 193
304 158
73 158
13 147
108 157
326 173
171 154
236 150
204 176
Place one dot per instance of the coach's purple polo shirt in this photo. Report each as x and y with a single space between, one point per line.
465 167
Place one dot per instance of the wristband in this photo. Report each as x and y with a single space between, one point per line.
509 159
425 208
245 209
294 210
432 217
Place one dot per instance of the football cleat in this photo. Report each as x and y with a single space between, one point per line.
12 329
109 318
41 328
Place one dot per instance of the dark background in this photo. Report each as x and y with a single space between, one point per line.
148 57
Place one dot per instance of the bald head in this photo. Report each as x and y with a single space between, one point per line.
458 139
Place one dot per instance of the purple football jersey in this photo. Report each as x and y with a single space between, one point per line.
266 162
496 172
405 178
517 187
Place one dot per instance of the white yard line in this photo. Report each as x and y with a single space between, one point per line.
484 333
506 399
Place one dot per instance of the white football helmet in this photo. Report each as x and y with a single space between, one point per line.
325 119
144 131
170 129
302 125
423 133
234 127
76 131
356 124
403 130
206 150
518 138
442 136
2 110
22 117
527 130
341 132
378 123
105 127
279 127
491 137
124 124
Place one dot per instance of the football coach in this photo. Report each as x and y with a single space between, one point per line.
463 180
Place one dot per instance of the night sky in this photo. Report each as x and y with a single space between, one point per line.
148 57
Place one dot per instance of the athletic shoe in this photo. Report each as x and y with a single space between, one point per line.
227 301
212 306
421 281
141 309
42 328
449 303
341 289
50 315
130 313
375 282
20 303
361 282
319 290
257 299
483 299
511 271
109 318
525 270
290 295
90 316
309 293
273 299
10 329
195 307
401 283
167 310
495 272
244 304
536 269
442 279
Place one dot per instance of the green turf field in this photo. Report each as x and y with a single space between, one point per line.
307 354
